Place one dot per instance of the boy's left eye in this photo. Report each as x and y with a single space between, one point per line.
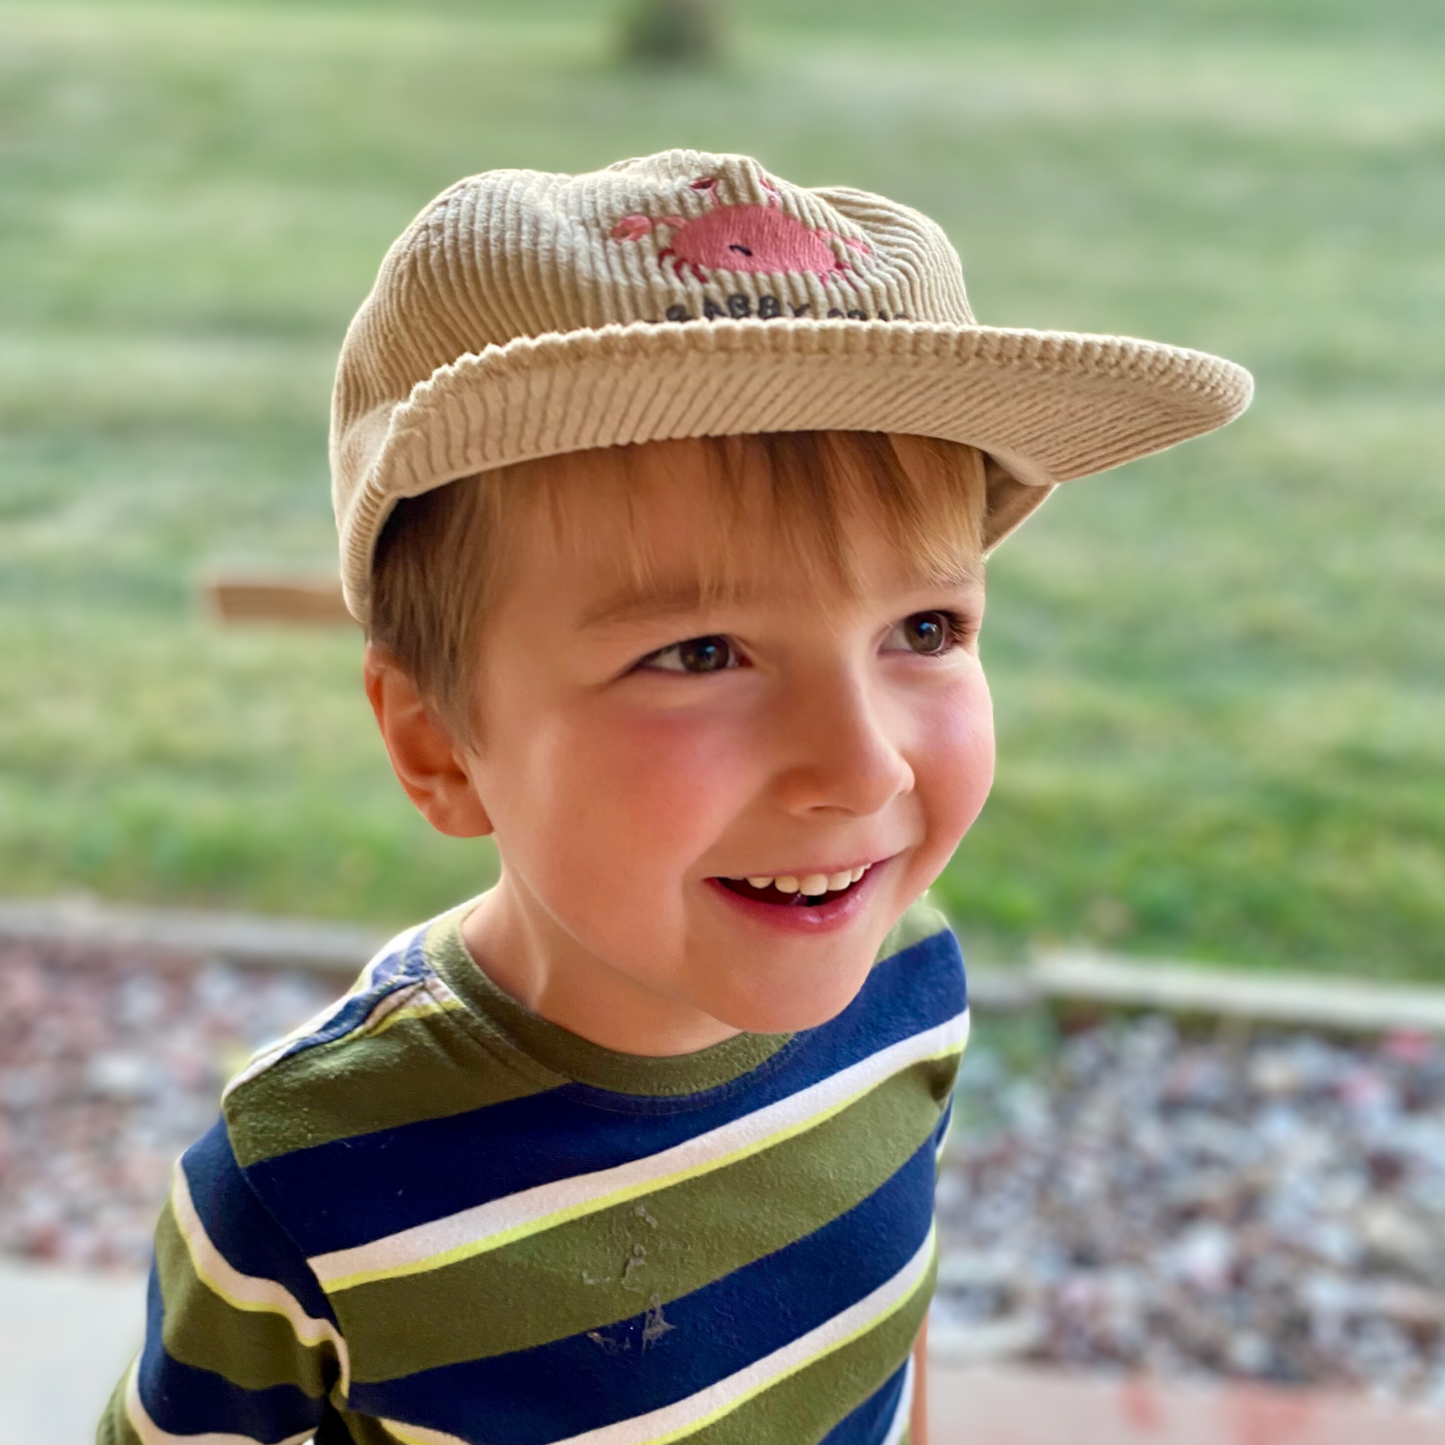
926 633
697 654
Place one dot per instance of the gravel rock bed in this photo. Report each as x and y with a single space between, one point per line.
1264 1205
111 1063
1268 1205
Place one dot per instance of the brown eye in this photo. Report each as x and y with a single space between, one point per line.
927 632
697 654
704 654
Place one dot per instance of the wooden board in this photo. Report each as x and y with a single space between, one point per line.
305 601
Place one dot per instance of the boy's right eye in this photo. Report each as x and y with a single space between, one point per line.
697 654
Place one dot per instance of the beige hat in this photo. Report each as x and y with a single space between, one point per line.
524 314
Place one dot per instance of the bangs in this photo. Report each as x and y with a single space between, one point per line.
784 499
781 499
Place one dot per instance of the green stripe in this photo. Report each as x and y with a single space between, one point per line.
418 1069
251 1348
577 1276
808 1404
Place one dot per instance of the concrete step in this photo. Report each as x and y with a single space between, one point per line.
65 1339
315 945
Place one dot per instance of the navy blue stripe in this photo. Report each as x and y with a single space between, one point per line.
583 1382
186 1401
397 970
351 1191
241 1227
870 1422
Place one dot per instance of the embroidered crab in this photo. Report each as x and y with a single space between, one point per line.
741 238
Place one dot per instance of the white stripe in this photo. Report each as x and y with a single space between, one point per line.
905 1407
247 1291
685 1417
488 1226
152 1434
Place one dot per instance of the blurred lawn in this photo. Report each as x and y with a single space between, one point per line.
1219 673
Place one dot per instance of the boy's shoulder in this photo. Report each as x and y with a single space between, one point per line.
398 1048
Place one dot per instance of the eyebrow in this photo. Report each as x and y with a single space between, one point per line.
665 599
684 596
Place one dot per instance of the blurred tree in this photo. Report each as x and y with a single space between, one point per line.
672 32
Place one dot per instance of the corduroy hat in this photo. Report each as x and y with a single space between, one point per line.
525 315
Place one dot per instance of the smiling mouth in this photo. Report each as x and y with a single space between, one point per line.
791 891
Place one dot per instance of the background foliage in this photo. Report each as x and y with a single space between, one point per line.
1219 673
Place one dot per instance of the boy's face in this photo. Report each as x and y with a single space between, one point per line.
642 754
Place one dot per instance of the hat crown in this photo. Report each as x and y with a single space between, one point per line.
682 236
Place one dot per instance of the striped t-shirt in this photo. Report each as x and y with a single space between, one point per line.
430 1216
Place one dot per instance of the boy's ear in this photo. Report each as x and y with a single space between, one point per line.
427 762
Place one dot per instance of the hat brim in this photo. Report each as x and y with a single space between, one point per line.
1047 406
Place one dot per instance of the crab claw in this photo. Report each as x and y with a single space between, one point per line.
632 228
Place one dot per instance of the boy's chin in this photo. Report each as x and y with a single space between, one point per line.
785 1011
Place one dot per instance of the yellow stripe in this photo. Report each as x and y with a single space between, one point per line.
628 1192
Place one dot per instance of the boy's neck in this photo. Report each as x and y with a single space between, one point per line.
523 952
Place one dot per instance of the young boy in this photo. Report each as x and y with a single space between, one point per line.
664 494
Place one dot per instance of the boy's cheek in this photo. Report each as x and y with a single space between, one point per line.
677 773
953 761
630 790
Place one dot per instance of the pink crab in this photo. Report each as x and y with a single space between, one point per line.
741 238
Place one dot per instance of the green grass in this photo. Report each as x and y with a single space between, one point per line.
1219 673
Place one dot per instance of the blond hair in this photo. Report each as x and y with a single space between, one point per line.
442 558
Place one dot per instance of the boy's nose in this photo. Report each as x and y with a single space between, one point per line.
840 752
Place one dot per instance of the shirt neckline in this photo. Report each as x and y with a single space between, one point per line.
570 1055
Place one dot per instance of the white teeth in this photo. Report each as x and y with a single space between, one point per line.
813 885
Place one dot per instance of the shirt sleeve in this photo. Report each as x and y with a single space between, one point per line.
241 1345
